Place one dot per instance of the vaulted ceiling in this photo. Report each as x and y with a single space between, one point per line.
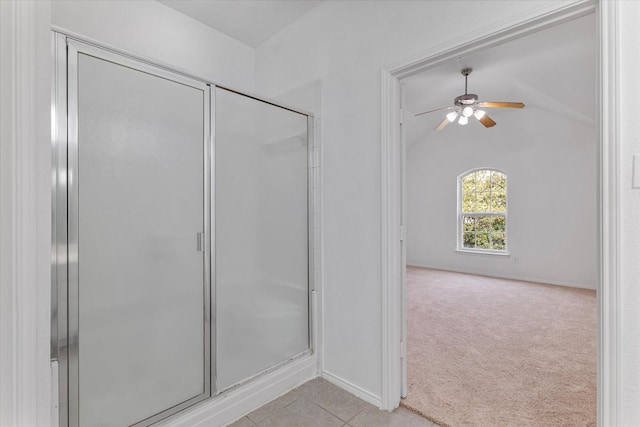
250 21
552 71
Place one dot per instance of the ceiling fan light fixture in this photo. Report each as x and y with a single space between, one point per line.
466 105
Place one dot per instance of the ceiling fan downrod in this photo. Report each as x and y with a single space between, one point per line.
467 98
465 72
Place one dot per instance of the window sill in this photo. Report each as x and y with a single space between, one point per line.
481 252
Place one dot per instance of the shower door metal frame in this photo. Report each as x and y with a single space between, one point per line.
64 255
311 264
65 337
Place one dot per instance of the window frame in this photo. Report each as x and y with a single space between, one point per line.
461 214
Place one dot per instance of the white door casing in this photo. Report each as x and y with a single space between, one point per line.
393 197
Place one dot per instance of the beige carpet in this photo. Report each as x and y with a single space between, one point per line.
495 352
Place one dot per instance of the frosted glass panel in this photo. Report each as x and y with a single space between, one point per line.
141 277
261 273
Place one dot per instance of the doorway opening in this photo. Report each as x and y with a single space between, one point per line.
515 200
393 184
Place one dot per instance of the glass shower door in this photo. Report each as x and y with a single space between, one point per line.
143 232
139 338
261 237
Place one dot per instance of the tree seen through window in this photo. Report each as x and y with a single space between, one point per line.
483 210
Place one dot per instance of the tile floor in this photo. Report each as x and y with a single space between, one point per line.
319 403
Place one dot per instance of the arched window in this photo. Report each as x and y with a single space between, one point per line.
482 211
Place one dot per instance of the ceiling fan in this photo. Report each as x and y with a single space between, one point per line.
467 105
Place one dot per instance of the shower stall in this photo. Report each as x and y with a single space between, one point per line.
181 239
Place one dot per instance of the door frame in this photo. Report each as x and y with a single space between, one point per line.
392 198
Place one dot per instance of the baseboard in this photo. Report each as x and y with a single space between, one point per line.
234 404
353 389
503 276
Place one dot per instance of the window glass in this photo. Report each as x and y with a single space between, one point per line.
483 210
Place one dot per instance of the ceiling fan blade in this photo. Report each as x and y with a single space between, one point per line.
494 104
437 109
442 124
487 121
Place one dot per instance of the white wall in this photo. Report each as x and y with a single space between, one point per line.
345 44
157 32
629 39
25 212
551 178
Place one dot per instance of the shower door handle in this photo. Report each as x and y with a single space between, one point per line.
200 241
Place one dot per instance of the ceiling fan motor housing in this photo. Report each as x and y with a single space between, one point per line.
466 99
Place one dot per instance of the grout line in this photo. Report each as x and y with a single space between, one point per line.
278 411
325 410
292 402
358 413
